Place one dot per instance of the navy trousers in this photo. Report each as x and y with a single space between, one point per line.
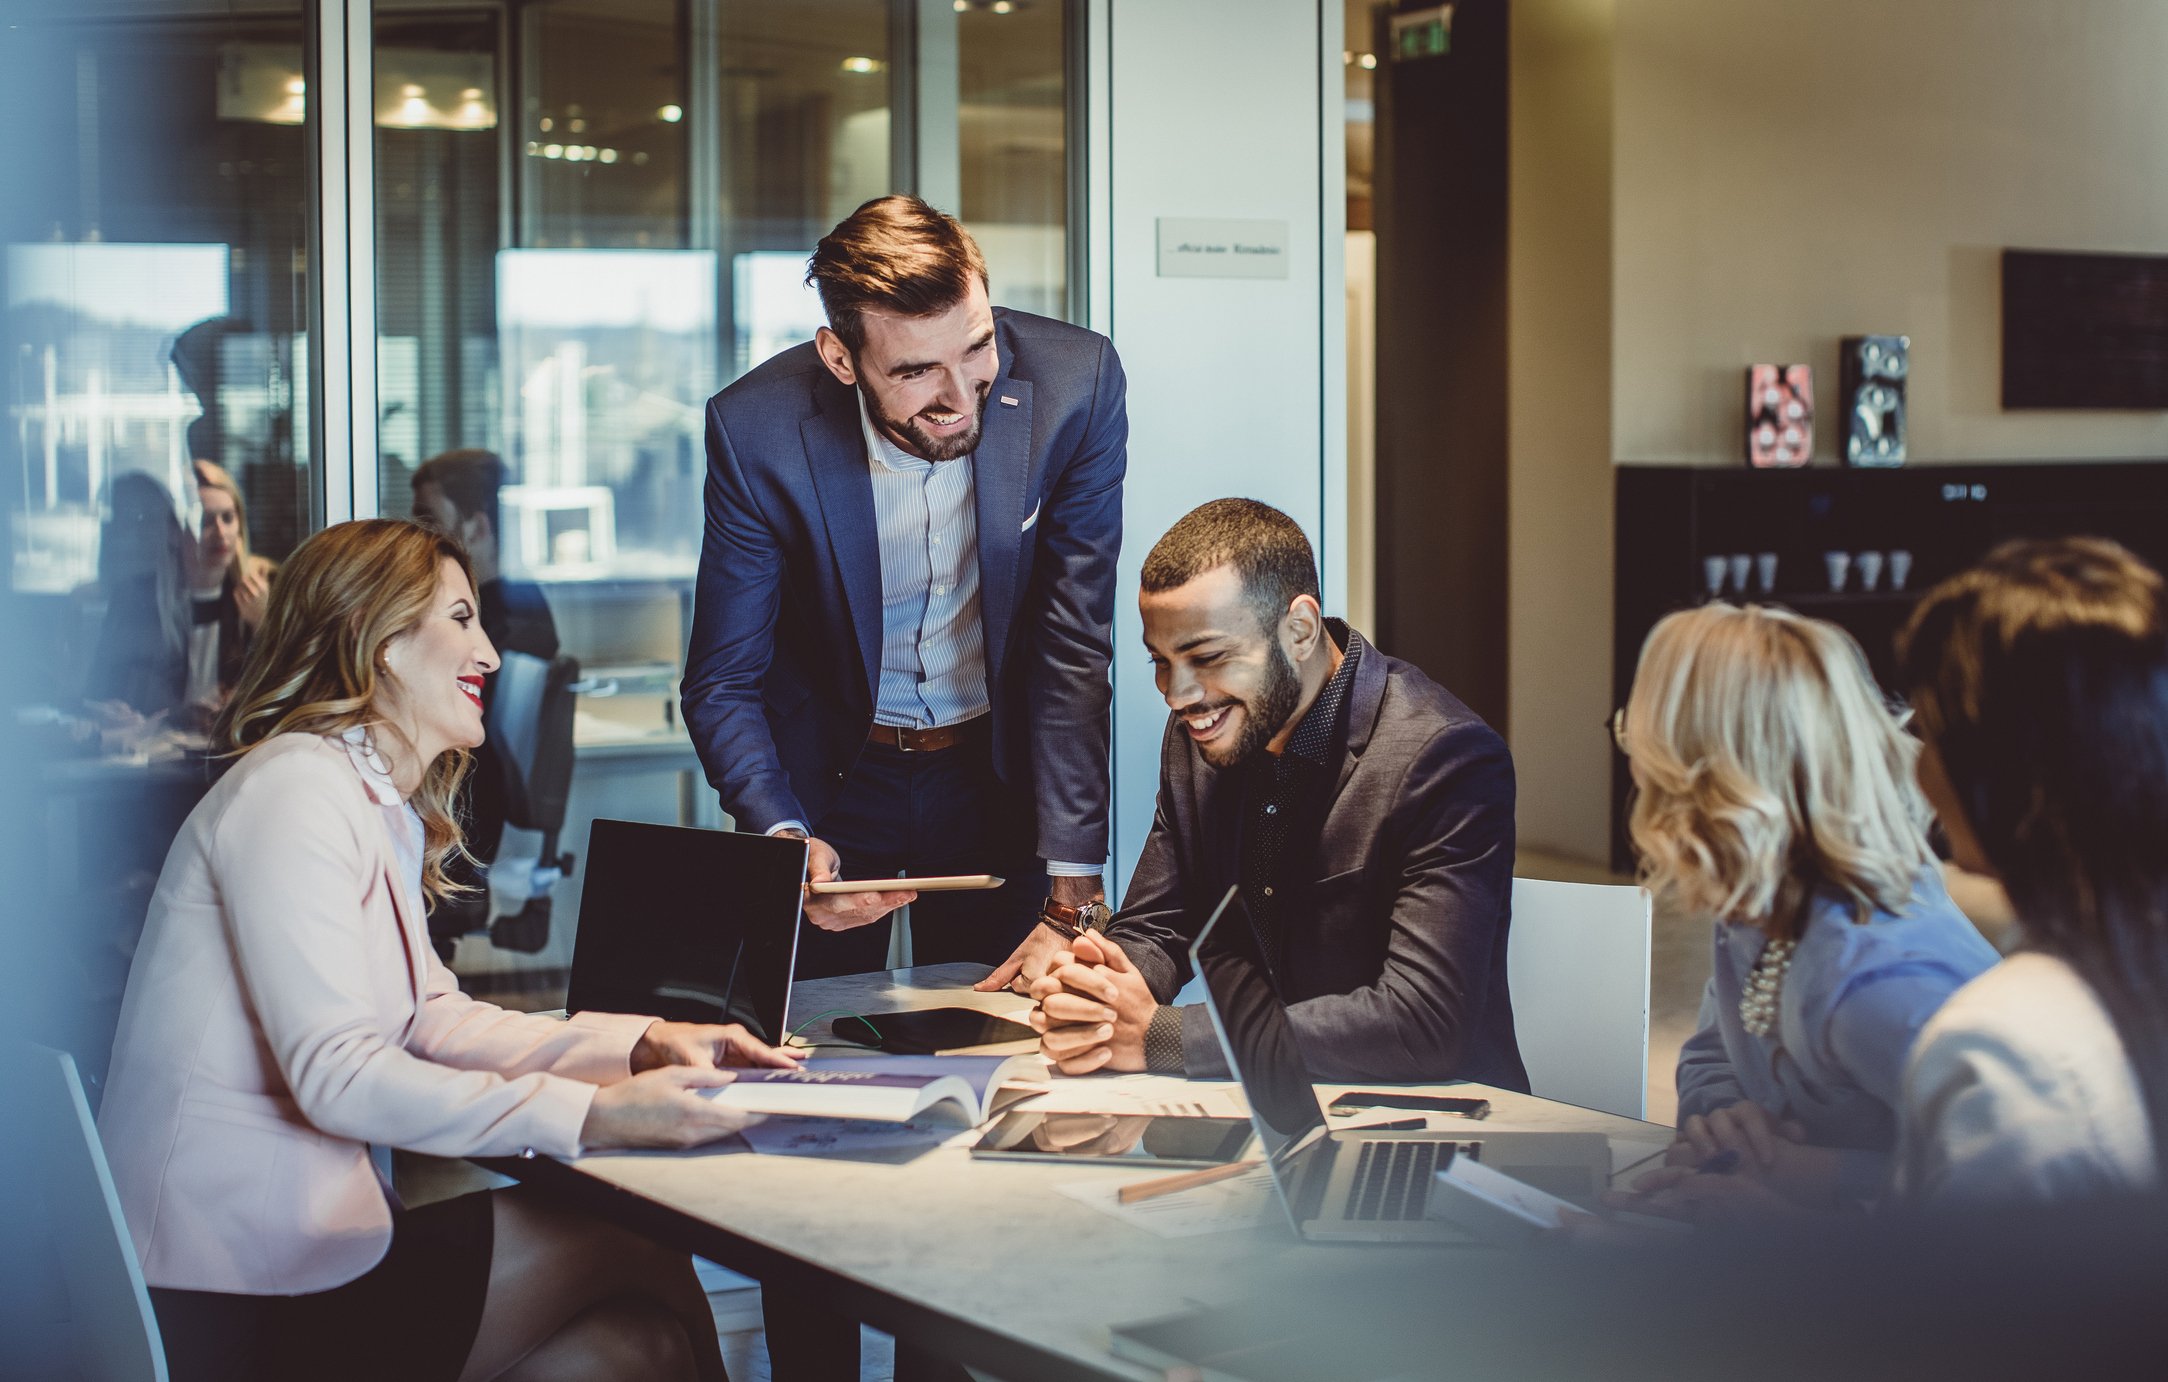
916 814
923 814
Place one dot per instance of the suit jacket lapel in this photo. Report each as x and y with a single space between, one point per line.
1000 478
835 448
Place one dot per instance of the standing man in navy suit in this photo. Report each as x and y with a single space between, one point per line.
903 625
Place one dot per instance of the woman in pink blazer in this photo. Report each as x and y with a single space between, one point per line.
286 1023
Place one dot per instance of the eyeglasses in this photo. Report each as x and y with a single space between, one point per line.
1616 724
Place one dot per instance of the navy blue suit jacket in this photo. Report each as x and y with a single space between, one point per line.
785 654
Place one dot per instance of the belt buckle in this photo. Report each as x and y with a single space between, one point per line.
903 739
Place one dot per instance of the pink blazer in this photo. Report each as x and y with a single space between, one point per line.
285 1009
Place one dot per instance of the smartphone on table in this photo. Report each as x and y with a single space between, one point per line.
1355 1101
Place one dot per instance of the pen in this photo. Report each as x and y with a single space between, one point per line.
1168 1185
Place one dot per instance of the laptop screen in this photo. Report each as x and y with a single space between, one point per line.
1254 1031
689 925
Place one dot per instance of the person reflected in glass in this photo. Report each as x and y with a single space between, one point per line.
1774 795
181 611
285 1023
459 493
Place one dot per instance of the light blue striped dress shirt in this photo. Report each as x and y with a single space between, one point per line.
933 640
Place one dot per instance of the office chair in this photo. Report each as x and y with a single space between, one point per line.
74 1303
531 708
529 758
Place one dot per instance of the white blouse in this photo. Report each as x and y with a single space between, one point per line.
2019 1092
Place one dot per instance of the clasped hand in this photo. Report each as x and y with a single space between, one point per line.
660 1105
1093 1008
1776 1173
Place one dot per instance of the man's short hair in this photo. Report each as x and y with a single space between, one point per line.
894 254
470 477
1264 546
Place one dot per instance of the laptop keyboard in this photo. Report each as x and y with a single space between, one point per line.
1392 1180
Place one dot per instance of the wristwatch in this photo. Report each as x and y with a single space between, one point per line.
1070 922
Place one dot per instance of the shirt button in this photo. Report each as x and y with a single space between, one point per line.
1271 809
1268 892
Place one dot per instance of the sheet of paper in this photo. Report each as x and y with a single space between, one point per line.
1158 1095
843 1136
1243 1201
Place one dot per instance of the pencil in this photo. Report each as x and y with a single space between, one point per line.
1168 1185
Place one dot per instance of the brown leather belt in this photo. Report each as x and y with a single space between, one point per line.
928 740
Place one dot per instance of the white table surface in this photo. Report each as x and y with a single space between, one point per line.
985 1259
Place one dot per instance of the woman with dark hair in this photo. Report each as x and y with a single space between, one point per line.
2040 678
285 1020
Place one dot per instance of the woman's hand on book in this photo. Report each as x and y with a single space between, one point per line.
661 1108
705 1045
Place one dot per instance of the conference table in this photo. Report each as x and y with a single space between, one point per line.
1006 1266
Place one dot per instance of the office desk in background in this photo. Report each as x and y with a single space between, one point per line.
983 1260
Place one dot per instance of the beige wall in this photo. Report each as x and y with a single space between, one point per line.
1788 173
1559 385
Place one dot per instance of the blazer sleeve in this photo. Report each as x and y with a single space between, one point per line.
735 600
1455 880
454 1029
295 870
1706 1079
1153 927
1072 645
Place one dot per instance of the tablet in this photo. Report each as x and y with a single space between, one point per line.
928 1031
1116 1139
953 883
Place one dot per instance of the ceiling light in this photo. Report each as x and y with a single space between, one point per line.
671 114
862 65
411 91
961 5
295 86
609 155
1368 62
553 151
1003 7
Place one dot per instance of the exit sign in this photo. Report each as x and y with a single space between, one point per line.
1422 33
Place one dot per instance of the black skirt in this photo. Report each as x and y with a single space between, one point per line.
411 1316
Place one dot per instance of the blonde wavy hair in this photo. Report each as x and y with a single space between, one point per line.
1766 764
317 661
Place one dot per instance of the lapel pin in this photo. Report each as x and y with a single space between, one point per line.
1007 402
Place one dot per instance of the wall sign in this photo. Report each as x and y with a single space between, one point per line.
1197 248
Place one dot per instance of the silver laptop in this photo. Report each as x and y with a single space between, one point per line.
1351 1185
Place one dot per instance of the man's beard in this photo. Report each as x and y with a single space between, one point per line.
918 443
1265 715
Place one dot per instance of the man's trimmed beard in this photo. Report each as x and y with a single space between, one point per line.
918 442
1267 713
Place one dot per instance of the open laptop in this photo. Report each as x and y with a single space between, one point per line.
1351 1185
690 925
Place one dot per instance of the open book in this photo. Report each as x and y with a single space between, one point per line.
889 1088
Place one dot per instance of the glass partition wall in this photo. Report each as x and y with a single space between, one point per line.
314 243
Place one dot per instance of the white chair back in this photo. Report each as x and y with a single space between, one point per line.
88 1314
1577 961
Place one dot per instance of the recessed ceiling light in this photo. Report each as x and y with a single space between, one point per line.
671 114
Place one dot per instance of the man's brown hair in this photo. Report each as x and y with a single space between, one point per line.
469 477
894 254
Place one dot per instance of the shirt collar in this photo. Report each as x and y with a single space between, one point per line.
884 452
1313 736
375 772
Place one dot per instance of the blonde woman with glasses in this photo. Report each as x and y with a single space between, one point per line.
1774 794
